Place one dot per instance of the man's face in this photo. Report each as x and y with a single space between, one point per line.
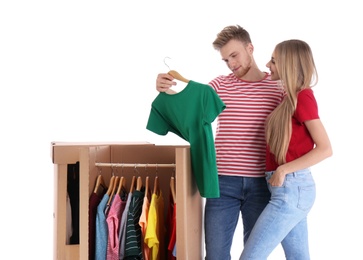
238 57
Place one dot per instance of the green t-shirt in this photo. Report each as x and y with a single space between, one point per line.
189 114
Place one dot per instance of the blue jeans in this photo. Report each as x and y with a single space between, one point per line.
237 194
284 220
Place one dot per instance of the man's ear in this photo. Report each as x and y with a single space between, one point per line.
250 48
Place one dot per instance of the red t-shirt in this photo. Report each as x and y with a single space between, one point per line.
301 141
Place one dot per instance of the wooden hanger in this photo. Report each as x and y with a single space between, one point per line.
100 185
132 187
139 183
110 187
147 187
122 184
115 185
176 75
156 185
172 188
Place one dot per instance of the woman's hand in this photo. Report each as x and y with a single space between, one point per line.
277 178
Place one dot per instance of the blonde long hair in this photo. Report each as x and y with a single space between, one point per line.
295 65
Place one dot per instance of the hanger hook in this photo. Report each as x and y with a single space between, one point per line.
112 170
135 169
166 63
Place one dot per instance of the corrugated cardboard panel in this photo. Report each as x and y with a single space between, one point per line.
68 152
189 211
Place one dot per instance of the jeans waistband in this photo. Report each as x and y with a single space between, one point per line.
295 174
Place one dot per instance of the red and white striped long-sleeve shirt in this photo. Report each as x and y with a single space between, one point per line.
240 134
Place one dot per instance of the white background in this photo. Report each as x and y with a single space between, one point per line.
85 71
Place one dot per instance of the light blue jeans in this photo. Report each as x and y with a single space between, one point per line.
245 195
284 220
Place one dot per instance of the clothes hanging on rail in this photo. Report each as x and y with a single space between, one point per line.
113 221
133 229
171 228
143 224
101 229
122 229
156 231
94 201
123 222
189 114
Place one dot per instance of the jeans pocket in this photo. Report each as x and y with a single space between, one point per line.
306 197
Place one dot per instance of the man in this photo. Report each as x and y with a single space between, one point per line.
250 95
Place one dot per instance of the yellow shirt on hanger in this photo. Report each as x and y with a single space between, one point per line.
155 231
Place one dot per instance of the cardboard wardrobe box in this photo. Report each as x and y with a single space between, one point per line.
106 159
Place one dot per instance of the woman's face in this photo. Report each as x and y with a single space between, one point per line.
272 66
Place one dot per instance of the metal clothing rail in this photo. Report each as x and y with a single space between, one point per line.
157 165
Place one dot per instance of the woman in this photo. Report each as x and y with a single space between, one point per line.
296 140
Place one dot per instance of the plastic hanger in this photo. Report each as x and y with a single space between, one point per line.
175 74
